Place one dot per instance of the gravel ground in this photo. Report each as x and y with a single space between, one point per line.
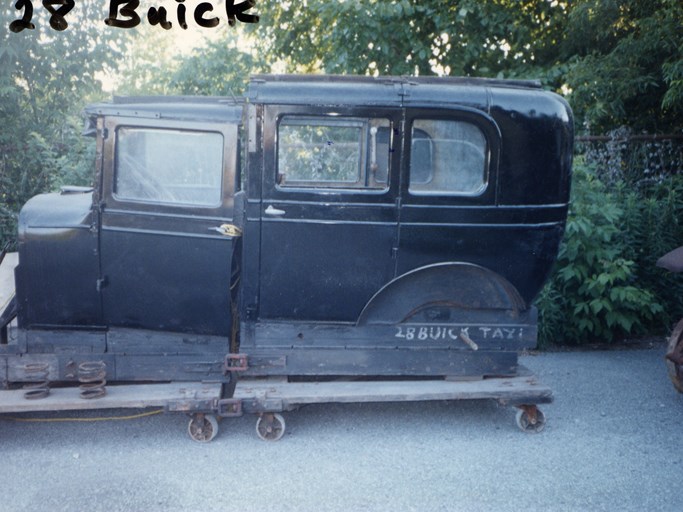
611 443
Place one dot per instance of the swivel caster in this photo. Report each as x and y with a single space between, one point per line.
270 426
203 427
530 419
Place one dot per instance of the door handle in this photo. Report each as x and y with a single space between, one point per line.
274 212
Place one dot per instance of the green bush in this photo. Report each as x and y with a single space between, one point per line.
644 176
40 166
653 226
594 293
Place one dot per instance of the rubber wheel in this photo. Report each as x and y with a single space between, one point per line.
203 427
674 370
270 426
524 422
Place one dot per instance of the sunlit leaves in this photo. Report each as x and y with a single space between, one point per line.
468 37
46 78
621 59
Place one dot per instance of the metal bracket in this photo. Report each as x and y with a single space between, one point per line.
190 405
229 407
468 341
531 410
262 404
235 363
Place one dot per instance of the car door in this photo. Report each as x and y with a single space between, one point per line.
328 210
448 206
166 242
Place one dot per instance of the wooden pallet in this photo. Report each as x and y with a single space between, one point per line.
134 396
283 395
522 389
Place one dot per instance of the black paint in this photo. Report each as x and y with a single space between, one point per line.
344 282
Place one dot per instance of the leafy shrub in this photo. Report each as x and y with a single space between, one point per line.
40 165
653 226
594 293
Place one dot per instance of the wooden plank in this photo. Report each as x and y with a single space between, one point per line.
74 342
169 367
490 332
7 278
373 362
16 366
128 396
145 342
512 390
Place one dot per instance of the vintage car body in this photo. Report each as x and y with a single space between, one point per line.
321 226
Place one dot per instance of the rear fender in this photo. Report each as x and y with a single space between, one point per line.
443 292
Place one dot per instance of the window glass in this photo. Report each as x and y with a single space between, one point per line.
447 158
328 152
169 166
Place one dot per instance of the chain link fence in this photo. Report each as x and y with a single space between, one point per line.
632 159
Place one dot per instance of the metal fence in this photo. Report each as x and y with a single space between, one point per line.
632 158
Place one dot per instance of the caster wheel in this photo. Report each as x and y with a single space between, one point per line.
270 426
674 354
527 424
203 427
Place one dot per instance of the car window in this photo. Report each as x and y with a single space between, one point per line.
169 166
328 152
447 158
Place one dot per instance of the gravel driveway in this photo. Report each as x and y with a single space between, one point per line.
611 443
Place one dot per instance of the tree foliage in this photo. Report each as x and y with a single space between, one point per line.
220 66
220 69
625 63
150 59
406 37
46 77
622 60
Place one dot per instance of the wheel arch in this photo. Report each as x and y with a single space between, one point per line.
454 285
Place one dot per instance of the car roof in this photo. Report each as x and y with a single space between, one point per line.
380 91
186 108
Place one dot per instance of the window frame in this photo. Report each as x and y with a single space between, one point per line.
328 119
433 116
229 165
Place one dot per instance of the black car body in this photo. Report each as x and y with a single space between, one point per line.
319 226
